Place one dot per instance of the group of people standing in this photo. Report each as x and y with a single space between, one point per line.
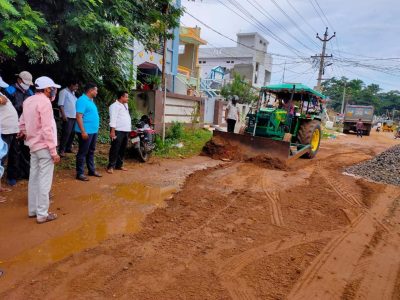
28 143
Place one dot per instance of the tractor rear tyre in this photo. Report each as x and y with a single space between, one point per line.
310 133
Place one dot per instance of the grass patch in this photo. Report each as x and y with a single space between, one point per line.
69 162
182 142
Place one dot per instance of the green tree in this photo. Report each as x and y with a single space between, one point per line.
86 39
359 93
19 29
241 88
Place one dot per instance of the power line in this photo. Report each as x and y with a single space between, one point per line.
244 45
319 15
259 25
301 16
293 22
324 15
271 18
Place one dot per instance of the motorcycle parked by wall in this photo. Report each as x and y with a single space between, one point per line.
142 139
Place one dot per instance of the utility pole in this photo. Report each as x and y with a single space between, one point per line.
163 75
284 71
344 97
323 55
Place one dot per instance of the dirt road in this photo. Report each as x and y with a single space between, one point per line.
234 231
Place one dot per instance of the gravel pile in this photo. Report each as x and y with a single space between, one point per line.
384 167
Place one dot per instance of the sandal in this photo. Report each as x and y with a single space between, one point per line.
49 218
4 190
110 171
122 169
2 199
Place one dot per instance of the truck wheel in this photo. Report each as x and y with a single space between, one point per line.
346 131
310 133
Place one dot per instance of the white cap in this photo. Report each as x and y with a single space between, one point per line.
3 84
26 77
45 82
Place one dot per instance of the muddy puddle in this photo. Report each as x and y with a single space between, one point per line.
118 210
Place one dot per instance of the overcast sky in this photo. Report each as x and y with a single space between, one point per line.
365 30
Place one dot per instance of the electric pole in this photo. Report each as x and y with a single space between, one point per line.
323 55
344 97
284 71
163 75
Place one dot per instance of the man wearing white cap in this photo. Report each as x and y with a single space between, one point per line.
9 130
17 93
38 126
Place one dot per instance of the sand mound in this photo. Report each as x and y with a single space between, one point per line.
218 148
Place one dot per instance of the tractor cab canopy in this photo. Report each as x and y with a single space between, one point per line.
300 92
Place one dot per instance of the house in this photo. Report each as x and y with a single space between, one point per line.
148 64
188 66
175 104
249 58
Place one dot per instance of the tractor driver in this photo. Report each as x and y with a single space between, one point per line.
289 106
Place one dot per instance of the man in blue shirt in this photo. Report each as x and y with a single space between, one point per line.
87 128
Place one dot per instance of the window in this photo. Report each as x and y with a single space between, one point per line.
255 79
204 61
257 66
228 61
199 61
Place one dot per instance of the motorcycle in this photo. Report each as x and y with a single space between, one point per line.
142 140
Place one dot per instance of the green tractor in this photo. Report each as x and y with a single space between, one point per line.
286 123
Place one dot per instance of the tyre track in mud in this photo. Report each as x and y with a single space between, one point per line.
347 196
330 271
379 267
229 270
274 199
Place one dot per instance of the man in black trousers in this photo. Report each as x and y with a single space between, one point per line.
87 128
67 104
121 126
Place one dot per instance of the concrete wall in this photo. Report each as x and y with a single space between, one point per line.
178 108
246 70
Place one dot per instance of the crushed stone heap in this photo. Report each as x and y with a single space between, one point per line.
384 167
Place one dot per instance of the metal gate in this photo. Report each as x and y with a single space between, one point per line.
209 110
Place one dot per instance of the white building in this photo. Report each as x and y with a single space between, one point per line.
249 58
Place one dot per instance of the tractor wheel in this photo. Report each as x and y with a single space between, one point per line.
310 134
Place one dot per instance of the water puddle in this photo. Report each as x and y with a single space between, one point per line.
144 194
117 211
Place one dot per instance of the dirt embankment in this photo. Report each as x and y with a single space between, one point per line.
219 149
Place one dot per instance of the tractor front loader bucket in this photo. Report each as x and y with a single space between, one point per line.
253 146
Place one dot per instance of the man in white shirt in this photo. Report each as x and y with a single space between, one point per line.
67 102
121 126
9 131
232 114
